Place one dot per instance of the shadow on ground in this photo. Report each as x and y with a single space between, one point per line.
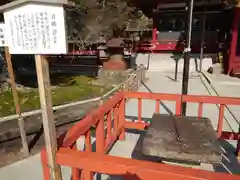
229 164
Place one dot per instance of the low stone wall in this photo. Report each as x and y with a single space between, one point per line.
131 83
113 77
117 77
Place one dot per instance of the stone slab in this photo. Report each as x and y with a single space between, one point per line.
182 138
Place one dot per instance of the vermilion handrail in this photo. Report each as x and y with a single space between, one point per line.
134 169
110 124
201 100
90 120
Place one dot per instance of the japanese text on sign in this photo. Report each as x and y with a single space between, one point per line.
36 29
2 35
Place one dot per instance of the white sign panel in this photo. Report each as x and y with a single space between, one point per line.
2 35
36 29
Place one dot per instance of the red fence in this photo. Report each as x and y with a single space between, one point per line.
110 123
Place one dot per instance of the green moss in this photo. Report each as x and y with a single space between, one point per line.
69 89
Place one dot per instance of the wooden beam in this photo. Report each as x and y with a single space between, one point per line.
17 103
44 88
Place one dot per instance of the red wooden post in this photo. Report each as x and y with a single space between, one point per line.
220 120
157 109
200 109
100 141
139 110
115 118
109 124
234 40
86 174
154 34
178 107
75 171
122 119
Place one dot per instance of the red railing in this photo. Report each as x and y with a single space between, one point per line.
110 124
163 45
201 100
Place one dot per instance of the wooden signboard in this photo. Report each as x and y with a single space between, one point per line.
35 28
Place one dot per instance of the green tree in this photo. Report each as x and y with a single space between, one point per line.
92 18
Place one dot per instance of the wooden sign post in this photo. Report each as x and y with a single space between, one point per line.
44 88
23 133
14 89
37 27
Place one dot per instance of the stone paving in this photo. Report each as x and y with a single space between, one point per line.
168 61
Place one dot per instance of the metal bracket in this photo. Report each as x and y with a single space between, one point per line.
188 49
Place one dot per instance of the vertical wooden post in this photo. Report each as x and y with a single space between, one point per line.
16 102
43 77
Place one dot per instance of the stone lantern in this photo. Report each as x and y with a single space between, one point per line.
115 49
